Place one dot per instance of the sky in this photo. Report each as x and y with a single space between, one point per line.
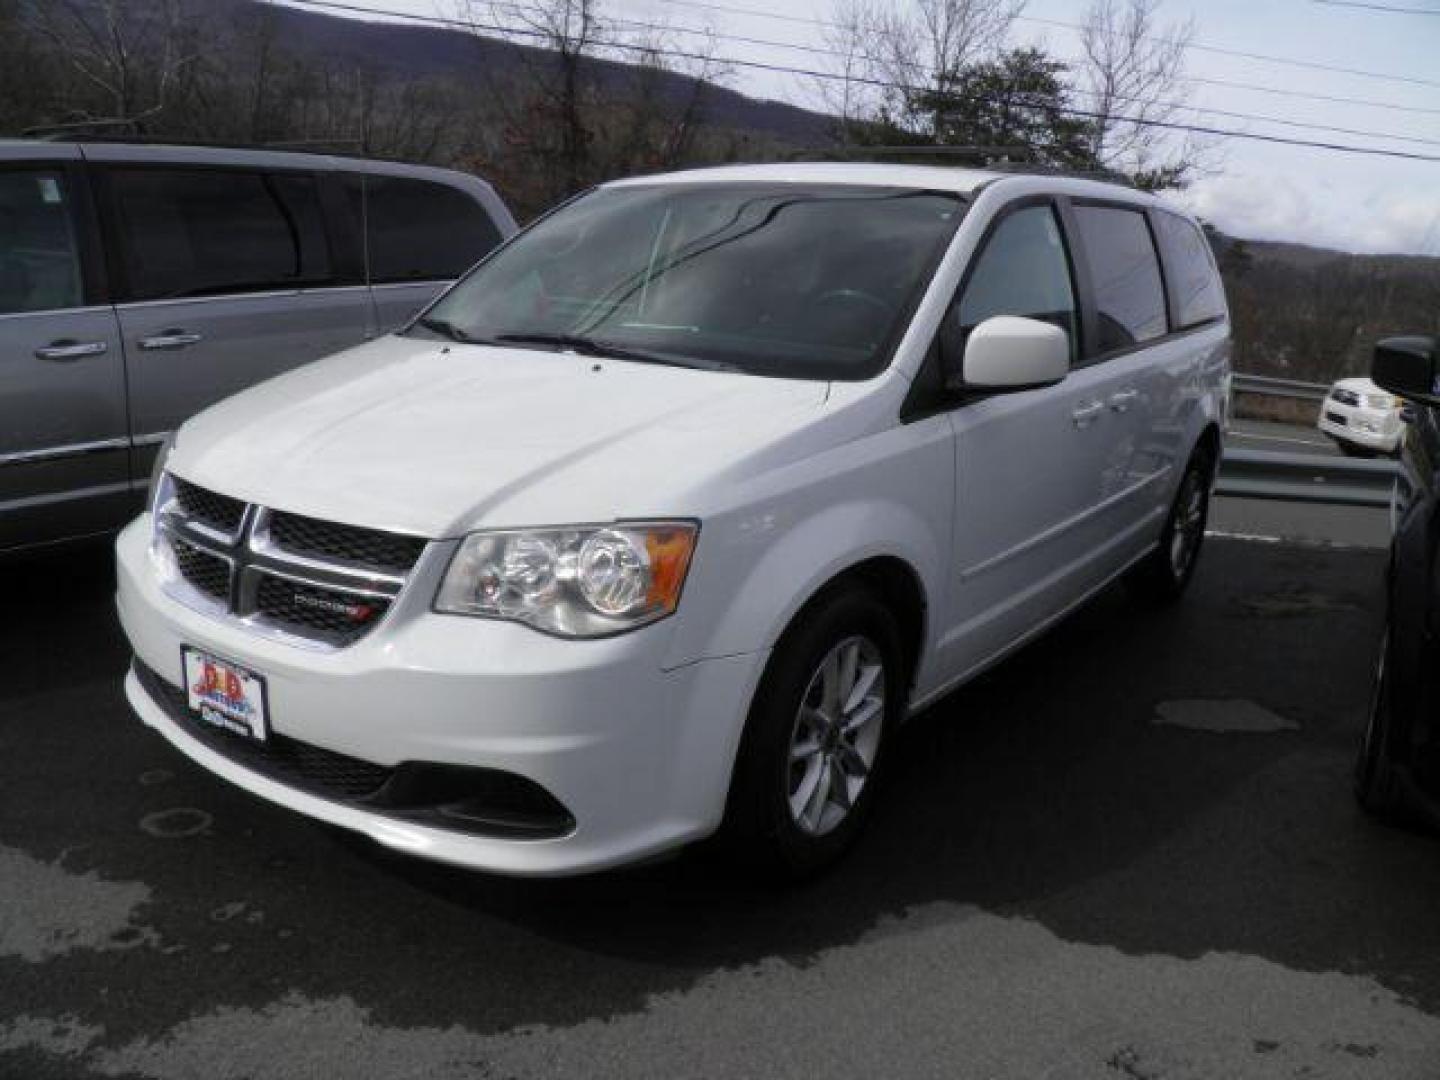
1250 189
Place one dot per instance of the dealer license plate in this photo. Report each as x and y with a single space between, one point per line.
225 695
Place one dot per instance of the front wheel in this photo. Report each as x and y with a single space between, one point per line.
1163 574
816 736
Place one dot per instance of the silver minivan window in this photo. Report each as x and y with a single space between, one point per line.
39 256
790 280
208 232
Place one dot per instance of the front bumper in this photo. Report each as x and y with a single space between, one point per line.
1371 429
639 756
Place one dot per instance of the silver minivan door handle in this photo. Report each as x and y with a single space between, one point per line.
1122 401
1084 415
70 350
170 339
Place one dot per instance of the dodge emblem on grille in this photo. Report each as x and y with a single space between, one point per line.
355 612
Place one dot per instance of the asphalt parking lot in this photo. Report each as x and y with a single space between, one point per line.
1077 872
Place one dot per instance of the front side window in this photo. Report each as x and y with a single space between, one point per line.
787 280
1194 282
202 232
39 257
1129 291
1023 270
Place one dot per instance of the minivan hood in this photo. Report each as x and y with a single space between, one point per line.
435 439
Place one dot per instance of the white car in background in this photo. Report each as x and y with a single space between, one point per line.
664 518
1362 418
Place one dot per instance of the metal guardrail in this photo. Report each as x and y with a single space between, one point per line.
1316 478
1241 383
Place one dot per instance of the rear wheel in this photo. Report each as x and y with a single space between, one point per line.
1163 574
1377 788
816 737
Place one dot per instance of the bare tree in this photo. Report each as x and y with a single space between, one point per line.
129 55
1133 76
891 56
586 98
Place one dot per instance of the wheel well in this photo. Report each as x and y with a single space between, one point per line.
895 582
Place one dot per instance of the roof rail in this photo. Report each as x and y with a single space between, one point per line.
981 154
1012 159
1039 168
79 129
102 132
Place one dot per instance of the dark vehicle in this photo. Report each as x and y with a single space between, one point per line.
1397 773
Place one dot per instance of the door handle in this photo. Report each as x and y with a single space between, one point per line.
1122 401
170 339
70 350
1084 415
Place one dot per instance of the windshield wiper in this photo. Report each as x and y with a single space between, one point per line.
445 328
589 346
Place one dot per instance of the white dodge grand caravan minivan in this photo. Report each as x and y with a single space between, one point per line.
662 520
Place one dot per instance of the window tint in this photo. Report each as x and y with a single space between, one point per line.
39 259
1194 285
211 231
419 231
1129 293
1022 271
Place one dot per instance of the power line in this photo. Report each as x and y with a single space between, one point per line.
1387 8
1208 81
1195 45
680 54
1334 99
1298 125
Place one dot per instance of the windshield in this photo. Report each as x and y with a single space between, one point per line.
789 280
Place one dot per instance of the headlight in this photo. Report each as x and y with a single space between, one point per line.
575 581
1381 401
158 470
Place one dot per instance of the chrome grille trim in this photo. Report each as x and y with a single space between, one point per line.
253 558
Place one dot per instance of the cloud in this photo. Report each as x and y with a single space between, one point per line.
1274 205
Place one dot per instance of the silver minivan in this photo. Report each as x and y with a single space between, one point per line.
140 283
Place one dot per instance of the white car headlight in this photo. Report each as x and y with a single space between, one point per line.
574 581
1381 401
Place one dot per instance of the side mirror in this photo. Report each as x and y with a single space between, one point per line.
1011 353
1405 366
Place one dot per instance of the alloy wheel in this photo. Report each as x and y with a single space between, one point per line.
836 735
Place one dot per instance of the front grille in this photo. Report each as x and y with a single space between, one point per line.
207 573
345 543
298 764
1346 397
328 615
210 508
292 576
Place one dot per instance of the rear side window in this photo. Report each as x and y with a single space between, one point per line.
421 231
1022 271
1129 291
207 232
39 258
1195 287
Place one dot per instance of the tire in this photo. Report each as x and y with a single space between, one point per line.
1377 787
1162 576
770 825
1349 449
